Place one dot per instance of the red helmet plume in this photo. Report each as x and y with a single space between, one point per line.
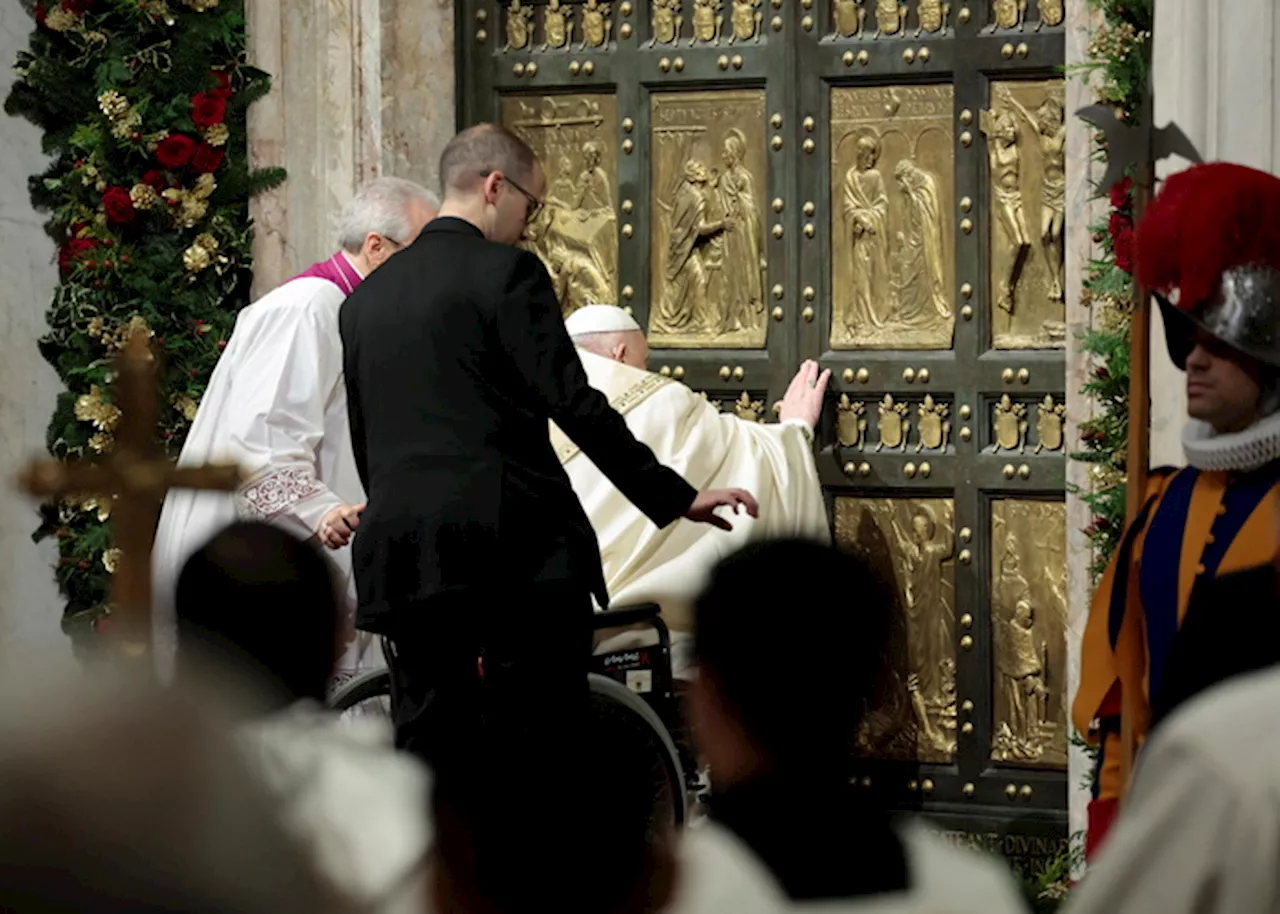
1206 220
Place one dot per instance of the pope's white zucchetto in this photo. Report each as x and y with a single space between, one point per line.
600 319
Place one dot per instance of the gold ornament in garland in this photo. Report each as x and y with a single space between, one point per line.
217 135
100 506
93 407
157 9
143 196
113 104
200 255
185 406
1113 315
111 559
60 19
192 205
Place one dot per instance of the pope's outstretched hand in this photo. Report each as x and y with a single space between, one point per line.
705 503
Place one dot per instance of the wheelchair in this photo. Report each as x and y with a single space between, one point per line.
633 695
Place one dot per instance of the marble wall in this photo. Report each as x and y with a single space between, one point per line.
360 90
1218 76
1082 211
30 609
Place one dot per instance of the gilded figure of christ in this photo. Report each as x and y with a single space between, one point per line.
866 216
743 299
1048 123
683 306
1000 125
930 627
920 280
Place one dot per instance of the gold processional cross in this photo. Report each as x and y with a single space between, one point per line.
137 474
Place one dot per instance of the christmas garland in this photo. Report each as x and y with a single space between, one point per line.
1119 58
142 104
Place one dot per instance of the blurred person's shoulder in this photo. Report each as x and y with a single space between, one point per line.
944 879
719 873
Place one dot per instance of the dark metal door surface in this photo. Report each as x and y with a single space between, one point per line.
877 185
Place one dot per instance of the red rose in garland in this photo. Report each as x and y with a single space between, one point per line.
79 7
207 109
1123 245
206 159
118 206
155 181
223 79
40 14
1117 223
1120 194
73 252
175 151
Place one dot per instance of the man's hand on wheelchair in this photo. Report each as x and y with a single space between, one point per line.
705 503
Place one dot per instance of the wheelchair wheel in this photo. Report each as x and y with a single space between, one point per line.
617 715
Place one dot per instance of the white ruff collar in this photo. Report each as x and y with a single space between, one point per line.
1238 452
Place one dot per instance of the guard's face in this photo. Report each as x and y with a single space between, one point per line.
1223 386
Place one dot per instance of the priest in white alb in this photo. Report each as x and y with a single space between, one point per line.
710 449
276 405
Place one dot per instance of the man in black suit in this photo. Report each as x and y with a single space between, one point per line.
473 544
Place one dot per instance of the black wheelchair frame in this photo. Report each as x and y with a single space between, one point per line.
638 680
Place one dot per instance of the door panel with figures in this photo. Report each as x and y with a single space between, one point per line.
878 185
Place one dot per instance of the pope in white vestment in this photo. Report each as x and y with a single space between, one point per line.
710 449
276 405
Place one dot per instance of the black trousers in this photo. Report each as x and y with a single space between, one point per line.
494 670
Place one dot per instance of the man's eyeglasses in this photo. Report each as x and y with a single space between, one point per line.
533 205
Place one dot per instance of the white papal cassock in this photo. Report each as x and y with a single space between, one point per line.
710 449
277 406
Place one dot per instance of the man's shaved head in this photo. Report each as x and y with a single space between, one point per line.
482 149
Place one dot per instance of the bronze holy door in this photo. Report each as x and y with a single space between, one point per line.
879 186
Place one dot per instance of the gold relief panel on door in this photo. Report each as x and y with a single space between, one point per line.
892 237
708 220
576 233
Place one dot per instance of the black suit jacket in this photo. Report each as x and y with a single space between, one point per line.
1231 627
455 357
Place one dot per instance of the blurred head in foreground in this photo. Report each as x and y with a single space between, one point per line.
770 696
116 799
258 604
503 845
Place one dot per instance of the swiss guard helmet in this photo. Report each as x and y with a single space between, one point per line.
1208 247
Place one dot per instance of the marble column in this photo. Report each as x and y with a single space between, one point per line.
1217 75
1083 209
30 607
360 90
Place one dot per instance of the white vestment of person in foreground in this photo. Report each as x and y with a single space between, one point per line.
944 879
360 808
1200 828
276 405
712 450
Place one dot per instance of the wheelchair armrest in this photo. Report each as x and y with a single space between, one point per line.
626 615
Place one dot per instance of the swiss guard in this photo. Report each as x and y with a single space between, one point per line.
1208 247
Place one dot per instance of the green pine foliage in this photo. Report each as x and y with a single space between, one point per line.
1119 62
143 105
